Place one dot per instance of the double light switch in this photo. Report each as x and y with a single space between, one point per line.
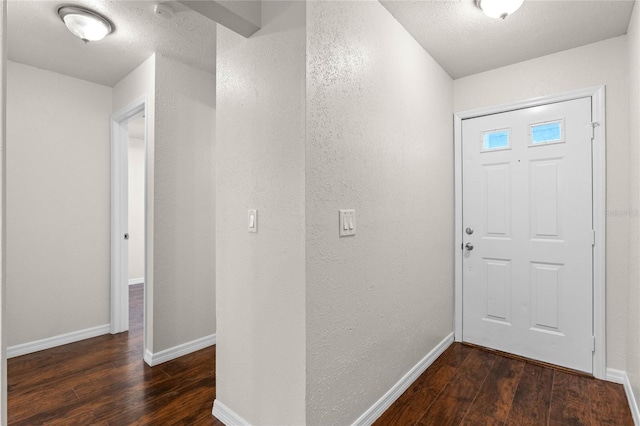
347 223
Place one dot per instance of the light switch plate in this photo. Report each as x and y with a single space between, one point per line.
347 223
253 220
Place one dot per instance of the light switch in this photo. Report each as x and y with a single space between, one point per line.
347 223
253 220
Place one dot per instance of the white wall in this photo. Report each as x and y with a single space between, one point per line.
379 139
3 286
633 311
180 234
599 63
184 205
136 208
58 189
260 278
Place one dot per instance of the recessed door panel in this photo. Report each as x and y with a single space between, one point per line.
498 285
544 200
497 203
545 282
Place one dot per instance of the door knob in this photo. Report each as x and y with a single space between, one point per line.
468 246
469 231
126 236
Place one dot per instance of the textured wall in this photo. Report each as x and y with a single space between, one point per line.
598 63
633 299
260 355
135 206
58 192
379 140
184 205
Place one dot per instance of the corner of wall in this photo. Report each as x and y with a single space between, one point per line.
3 299
632 376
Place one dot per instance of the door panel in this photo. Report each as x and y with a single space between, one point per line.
498 199
527 195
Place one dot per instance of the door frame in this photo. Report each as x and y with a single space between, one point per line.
119 210
598 165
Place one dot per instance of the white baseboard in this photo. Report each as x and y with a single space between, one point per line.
153 359
59 340
226 415
619 376
376 410
148 357
616 376
134 281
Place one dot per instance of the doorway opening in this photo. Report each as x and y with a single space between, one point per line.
128 215
496 275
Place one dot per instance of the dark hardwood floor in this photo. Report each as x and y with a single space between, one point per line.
471 386
104 381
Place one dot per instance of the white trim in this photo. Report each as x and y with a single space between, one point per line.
148 357
154 359
119 200
457 226
597 95
119 190
377 409
226 415
616 376
59 340
621 377
600 226
134 281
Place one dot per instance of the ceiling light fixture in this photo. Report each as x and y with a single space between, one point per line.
499 8
84 23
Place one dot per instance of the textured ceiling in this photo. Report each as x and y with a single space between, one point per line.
464 41
37 37
455 32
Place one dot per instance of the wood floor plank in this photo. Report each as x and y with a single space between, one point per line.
607 404
30 402
497 393
452 404
415 401
533 396
82 419
204 359
569 401
29 371
187 400
479 419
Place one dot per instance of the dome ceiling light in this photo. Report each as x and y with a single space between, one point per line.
84 23
499 8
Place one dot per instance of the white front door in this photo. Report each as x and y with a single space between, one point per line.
528 230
